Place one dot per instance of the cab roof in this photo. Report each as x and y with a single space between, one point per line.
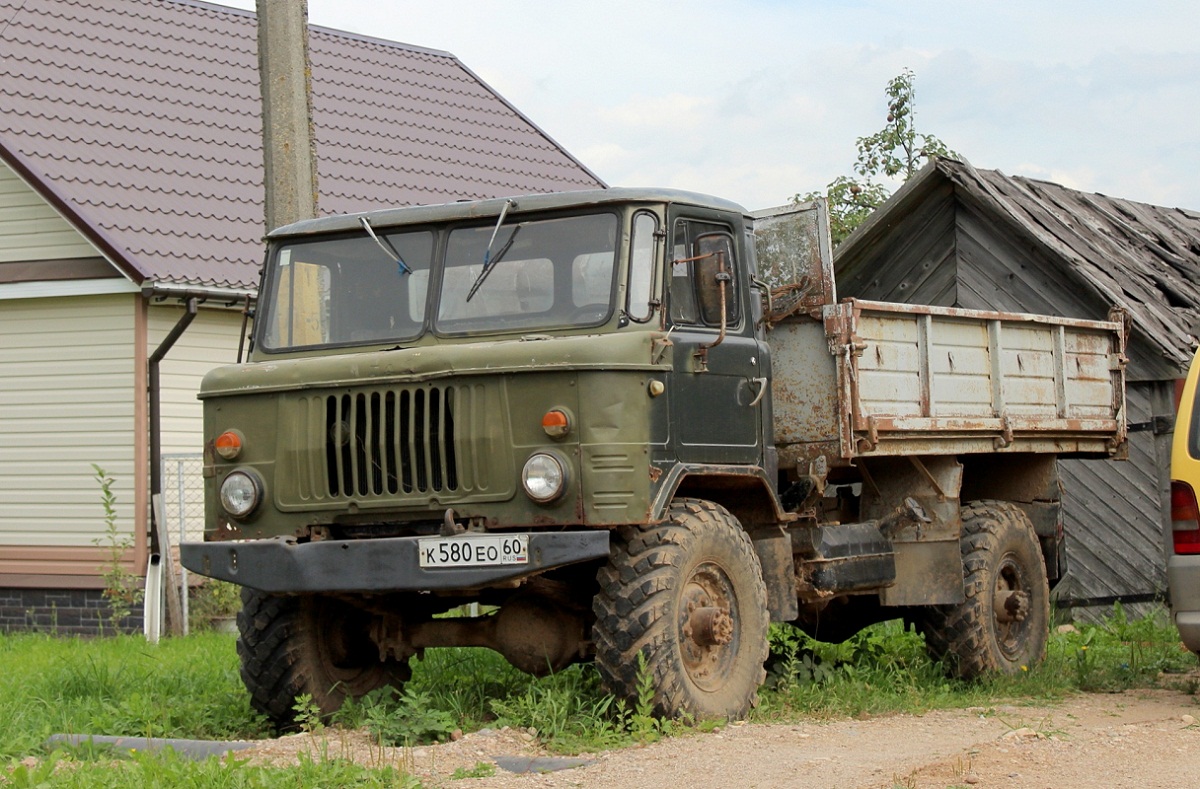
477 209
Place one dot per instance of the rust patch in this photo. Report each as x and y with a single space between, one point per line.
655 473
224 531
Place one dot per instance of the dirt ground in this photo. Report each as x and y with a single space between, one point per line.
1145 739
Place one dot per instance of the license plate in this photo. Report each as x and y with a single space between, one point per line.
474 550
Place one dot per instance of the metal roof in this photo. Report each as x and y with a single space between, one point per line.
140 122
1141 257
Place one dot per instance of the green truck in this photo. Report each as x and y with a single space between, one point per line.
629 422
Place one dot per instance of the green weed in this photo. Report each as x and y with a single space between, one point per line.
480 770
144 770
122 588
405 717
189 688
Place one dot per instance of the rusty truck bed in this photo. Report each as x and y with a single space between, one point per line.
878 379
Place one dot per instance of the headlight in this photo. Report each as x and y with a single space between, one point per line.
240 493
544 477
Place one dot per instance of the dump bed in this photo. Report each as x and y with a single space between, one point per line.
903 379
864 378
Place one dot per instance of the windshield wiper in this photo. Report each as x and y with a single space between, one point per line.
386 246
490 262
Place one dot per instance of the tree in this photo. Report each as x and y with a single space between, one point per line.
896 151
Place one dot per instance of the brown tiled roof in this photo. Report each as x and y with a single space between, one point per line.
140 120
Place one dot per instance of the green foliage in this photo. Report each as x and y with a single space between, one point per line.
122 589
189 688
480 770
308 714
885 668
567 710
147 770
121 686
404 718
643 725
1120 653
894 152
898 149
211 601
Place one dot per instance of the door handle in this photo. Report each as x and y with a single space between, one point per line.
762 390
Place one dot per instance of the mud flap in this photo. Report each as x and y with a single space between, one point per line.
774 549
927 573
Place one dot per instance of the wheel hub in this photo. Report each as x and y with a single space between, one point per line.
706 626
709 626
1011 606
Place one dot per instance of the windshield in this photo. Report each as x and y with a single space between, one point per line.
552 273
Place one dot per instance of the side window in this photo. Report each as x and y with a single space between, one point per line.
703 260
713 253
683 294
641 268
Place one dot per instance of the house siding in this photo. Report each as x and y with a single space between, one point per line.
30 229
67 389
210 341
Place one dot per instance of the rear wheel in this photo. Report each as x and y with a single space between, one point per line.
308 645
1003 624
688 595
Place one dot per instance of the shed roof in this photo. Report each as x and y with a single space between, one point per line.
141 122
1141 257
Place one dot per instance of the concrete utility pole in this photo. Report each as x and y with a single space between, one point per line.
289 148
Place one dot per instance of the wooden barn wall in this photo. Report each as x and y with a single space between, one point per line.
1113 514
915 264
998 272
1114 510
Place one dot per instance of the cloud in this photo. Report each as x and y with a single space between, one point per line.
756 100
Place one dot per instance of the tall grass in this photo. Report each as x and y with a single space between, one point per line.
121 686
189 688
885 669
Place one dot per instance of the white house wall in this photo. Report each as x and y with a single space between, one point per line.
210 341
67 388
30 229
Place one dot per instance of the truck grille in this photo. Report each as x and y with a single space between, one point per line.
392 442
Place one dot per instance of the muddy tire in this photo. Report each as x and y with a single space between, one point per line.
687 594
291 646
1003 624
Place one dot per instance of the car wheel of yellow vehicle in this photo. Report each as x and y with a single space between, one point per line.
308 645
687 595
1003 624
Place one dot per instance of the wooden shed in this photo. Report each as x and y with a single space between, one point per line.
962 237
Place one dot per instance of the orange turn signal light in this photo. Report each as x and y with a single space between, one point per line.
556 423
228 444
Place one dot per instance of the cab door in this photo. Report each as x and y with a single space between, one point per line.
718 376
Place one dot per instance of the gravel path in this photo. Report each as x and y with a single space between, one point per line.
1134 740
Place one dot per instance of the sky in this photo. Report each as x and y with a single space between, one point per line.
758 100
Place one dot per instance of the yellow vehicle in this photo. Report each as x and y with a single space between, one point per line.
1183 562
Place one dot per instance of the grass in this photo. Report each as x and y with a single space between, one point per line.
885 669
189 688
122 686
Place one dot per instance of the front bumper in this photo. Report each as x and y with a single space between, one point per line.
1183 581
389 564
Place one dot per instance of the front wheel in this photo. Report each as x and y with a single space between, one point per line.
291 646
688 595
1003 624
